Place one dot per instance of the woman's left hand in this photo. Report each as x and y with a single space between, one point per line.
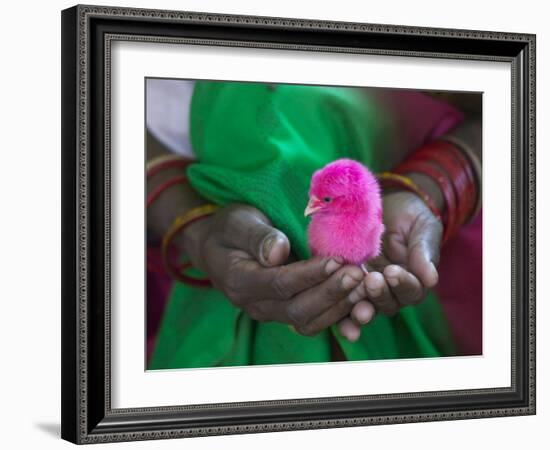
406 268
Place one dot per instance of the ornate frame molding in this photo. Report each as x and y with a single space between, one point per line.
80 60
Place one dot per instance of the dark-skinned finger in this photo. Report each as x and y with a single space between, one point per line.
329 317
358 294
312 302
423 250
360 310
363 312
266 310
299 276
405 287
279 283
248 229
349 330
379 294
284 282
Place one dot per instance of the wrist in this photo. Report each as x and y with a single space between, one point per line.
175 200
430 187
191 240
165 199
176 234
177 215
443 176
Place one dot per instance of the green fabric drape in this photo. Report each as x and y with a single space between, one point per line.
259 144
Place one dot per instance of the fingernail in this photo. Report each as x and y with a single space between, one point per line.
332 266
348 282
363 316
435 276
353 336
393 282
268 244
434 270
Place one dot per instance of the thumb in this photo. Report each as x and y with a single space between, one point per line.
423 250
271 248
251 231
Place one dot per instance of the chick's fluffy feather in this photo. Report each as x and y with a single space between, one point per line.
348 223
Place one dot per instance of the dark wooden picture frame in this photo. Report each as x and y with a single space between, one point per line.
87 33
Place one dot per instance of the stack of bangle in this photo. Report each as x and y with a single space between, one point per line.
171 266
395 180
454 173
159 164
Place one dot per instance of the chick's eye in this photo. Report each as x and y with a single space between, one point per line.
327 199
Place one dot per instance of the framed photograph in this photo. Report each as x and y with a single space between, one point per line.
281 224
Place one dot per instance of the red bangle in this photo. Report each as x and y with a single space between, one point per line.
164 186
153 167
435 173
160 163
448 167
174 164
471 187
473 164
443 154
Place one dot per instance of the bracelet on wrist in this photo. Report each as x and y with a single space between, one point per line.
160 163
395 180
157 192
449 168
474 164
177 270
169 255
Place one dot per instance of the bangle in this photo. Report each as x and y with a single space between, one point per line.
474 164
162 162
469 189
442 180
454 174
390 179
162 187
435 173
460 176
180 222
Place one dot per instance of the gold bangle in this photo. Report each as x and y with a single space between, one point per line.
405 182
178 224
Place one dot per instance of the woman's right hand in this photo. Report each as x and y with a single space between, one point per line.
246 258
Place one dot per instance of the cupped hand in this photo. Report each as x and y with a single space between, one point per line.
247 259
406 268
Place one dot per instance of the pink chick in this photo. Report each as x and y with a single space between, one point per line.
346 210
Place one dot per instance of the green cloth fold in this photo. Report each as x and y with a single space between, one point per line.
259 144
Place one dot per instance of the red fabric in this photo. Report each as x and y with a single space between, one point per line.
460 286
419 118
158 288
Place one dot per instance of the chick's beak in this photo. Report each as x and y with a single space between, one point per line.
313 206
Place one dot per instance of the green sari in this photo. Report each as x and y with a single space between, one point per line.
259 144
